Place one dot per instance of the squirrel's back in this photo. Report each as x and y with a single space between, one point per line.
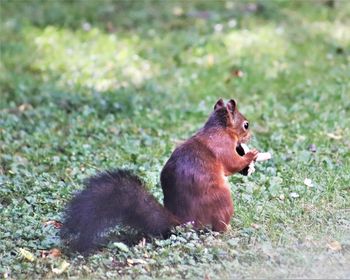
194 184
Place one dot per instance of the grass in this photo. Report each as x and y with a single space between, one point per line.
86 86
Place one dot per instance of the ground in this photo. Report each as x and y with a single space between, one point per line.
91 85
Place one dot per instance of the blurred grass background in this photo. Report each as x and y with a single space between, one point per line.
90 85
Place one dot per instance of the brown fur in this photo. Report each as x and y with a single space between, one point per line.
193 181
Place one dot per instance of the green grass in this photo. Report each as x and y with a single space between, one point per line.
91 85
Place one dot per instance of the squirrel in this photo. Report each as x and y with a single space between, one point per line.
193 181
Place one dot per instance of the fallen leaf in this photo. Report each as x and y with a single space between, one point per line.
24 107
334 246
121 246
26 254
62 268
334 136
137 261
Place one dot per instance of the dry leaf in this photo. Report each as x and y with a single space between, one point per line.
334 246
24 107
26 254
62 268
135 261
121 246
334 136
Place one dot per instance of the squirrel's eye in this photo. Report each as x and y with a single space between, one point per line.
246 125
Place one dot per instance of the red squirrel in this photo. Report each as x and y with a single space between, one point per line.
193 181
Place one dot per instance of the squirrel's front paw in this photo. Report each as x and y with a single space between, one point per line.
252 155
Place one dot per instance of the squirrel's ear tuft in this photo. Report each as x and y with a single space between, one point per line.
231 106
219 104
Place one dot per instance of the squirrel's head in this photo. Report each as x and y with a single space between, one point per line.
228 117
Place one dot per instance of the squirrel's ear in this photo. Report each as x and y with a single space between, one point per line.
219 104
231 106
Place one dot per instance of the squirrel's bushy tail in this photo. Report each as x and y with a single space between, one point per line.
111 198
